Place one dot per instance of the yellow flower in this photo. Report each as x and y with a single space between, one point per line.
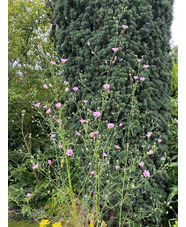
91 223
57 224
103 224
44 223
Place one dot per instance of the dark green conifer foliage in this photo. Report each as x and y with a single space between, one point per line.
77 22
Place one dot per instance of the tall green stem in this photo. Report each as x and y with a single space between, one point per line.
125 172
68 172
96 164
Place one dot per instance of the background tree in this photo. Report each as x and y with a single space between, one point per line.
85 32
30 53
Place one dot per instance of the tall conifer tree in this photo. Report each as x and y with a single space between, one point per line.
85 32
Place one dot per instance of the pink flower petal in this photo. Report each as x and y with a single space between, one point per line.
69 152
110 125
106 86
125 26
75 88
58 105
37 104
114 49
141 163
64 60
96 114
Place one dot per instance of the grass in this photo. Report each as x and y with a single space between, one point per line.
22 224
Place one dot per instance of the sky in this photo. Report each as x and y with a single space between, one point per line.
175 27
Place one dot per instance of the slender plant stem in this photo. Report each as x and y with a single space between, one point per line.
96 164
68 172
125 172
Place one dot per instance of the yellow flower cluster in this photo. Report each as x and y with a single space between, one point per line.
103 224
44 223
57 224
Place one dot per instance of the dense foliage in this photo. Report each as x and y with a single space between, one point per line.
173 141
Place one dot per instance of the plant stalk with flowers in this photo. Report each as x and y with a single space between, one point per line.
96 141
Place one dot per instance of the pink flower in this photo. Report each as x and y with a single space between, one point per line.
125 26
66 89
37 104
110 125
151 152
60 146
82 121
145 66
28 195
69 152
86 149
88 43
58 105
139 60
106 86
45 86
115 58
78 134
135 77
121 124
92 172
45 106
53 62
85 101
49 110
75 88
146 173
51 26
53 135
116 167
38 46
49 161
64 60
92 134
141 163
117 147
149 134
35 166
98 108
107 174
89 110
104 154
74 199
50 85
63 193
97 114
159 140
142 78
114 49
59 121
90 163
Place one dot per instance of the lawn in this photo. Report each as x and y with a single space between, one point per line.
22 224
